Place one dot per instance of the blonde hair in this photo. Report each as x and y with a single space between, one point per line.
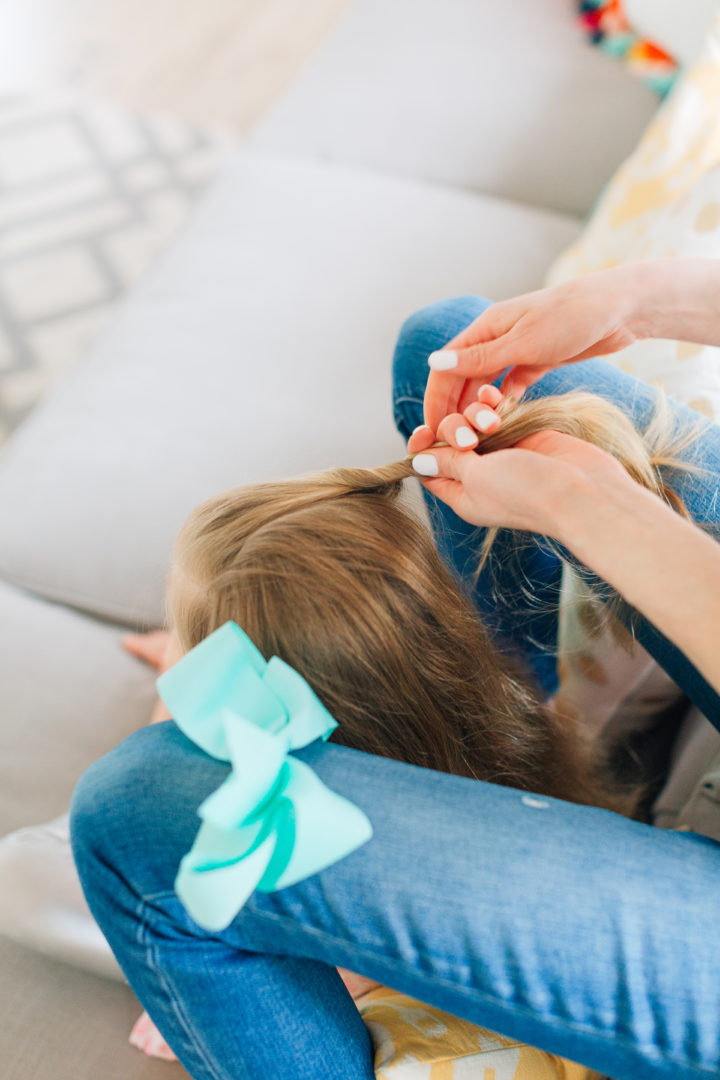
332 574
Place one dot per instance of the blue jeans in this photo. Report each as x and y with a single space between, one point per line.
564 926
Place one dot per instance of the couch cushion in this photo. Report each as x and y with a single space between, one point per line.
68 693
506 98
62 1024
280 303
664 201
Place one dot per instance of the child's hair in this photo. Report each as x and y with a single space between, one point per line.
332 574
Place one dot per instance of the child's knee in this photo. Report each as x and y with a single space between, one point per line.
108 795
142 796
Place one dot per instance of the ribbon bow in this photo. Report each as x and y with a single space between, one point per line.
272 822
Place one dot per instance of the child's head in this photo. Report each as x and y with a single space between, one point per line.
333 575
347 587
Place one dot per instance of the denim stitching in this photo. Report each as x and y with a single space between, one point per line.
400 965
520 1010
144 938
401 399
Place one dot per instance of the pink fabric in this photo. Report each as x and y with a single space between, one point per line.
147 1038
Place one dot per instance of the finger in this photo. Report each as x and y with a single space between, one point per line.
442 396
445 395
518 379
469 395
490 395
455 431
421 438
494 321
482 418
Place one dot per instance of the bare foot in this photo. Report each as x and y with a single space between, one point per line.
150 647
158 650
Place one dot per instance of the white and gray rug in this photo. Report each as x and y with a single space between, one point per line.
89 195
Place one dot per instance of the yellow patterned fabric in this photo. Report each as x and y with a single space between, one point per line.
413 1041
664 201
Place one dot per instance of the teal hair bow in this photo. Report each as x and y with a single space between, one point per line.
272 822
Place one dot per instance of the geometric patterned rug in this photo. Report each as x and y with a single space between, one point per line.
89 195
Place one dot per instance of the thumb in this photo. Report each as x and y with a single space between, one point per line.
481 360
440 460
441 470
448 491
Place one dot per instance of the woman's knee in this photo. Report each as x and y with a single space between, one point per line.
135 809
423 332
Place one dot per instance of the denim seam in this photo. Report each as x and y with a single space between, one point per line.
521 1010
143 939
403 399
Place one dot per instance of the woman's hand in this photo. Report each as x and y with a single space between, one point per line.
559 486
524 487
530 334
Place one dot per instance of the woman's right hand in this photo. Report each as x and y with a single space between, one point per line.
530 334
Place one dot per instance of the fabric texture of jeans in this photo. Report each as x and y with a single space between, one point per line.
564 926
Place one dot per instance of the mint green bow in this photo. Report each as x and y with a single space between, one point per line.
272 822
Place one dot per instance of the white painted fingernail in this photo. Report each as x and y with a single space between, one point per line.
443 359
420 427
465 437
425 465
484 419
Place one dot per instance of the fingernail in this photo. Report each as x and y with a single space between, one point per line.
420 427
443 359
465 437
425 465
484 419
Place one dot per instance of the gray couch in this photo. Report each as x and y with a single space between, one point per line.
430 149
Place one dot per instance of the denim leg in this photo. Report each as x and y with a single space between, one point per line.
519 586
564 926
517 593
229 1013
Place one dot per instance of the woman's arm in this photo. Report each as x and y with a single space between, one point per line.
664 566
590 316
676 298
559 486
